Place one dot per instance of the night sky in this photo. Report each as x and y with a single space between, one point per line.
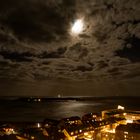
39 56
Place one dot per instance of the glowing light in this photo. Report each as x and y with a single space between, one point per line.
88 139
129 121
120 107
59 95
109 131
125 132
133 117
77 26
38 125
72 133
124 114
32 137
85 133
89 136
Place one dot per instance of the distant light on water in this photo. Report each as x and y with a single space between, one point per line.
120 107
59 96
38 125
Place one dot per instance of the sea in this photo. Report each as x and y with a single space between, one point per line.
37 109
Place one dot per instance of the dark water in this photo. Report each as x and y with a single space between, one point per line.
17 110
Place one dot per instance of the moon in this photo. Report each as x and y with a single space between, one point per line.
77 27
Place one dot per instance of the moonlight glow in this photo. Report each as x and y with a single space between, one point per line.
77 26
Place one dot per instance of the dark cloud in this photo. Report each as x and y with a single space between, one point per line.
77 51
39 21
36 44
83 68
15 56
84 36
101 65
131 50
115 72
55 54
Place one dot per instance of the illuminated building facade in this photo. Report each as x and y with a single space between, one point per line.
112 125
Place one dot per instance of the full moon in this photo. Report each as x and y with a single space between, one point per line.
77 27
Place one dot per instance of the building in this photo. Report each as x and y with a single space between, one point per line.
132 116
91 117
128 132
73 128
113 113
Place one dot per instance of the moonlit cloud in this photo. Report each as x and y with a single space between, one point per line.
77 27
39 44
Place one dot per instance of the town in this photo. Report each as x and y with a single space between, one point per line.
114 124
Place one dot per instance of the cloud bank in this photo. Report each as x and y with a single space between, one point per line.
36 44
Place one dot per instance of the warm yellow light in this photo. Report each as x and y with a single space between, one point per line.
125 132
124 114
77 27
32 137
120 107
109 131
85 133
89 136
38 125
129 121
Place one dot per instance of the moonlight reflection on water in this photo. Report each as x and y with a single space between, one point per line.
57 109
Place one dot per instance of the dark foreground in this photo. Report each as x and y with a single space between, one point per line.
69 118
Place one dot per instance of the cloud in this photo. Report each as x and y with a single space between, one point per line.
77 51
58 53
36 44
131 49
15 56
39 21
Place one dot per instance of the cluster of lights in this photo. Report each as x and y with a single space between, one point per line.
9 131
129 121
89 133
